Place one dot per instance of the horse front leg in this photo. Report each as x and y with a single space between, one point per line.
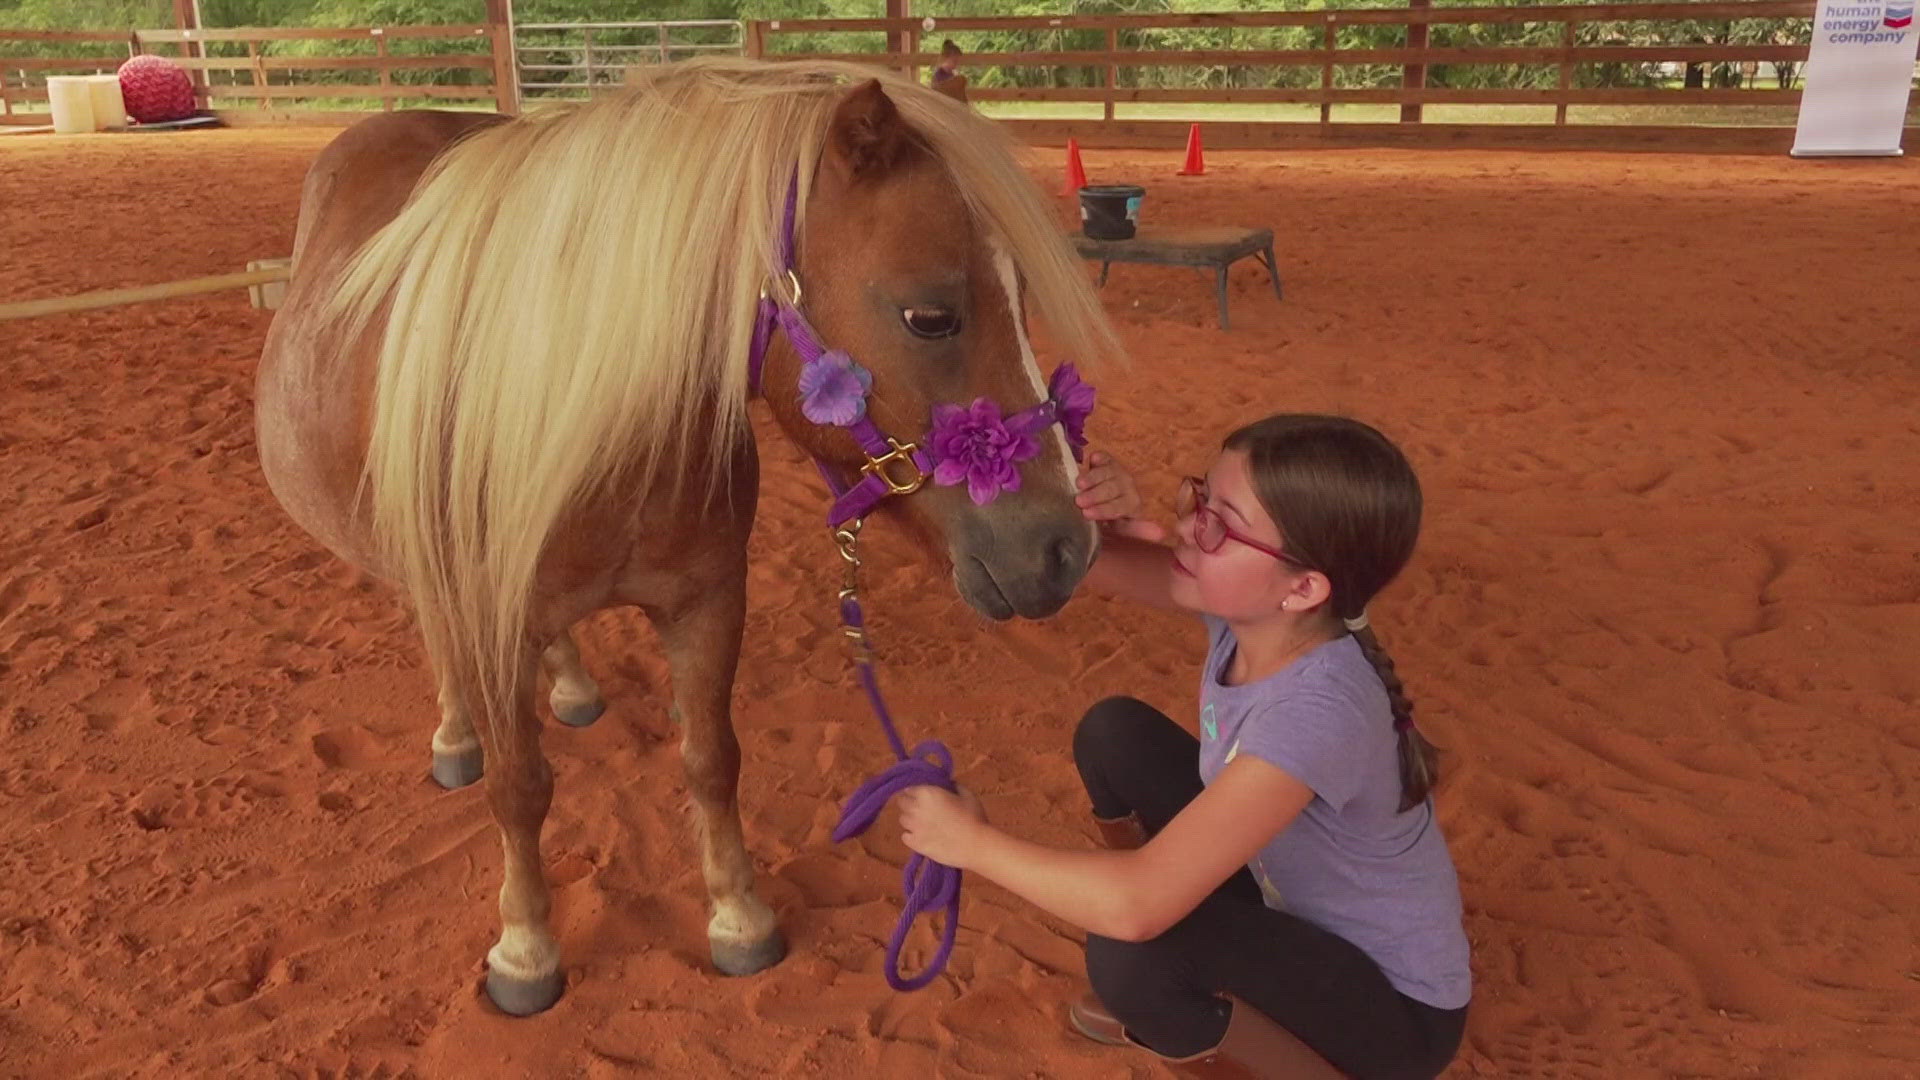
702 640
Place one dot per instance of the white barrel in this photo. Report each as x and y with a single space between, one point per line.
109 107
72 101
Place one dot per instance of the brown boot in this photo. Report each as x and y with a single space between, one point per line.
1255 1048
1122 833
1089 1017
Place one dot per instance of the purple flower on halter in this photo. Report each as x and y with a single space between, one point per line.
833 389
1075 402
975 445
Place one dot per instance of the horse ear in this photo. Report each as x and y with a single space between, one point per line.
867 135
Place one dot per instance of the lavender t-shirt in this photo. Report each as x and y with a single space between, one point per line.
1351 863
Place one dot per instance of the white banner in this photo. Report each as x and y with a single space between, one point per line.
1859 70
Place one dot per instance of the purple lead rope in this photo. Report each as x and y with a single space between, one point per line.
928 885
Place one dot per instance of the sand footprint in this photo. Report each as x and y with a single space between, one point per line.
1535 1047
566 867
804 993
984 1042
1037 945
219 801
345 747
244 983
828 880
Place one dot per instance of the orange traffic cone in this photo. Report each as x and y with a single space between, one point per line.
1194 166
1076 172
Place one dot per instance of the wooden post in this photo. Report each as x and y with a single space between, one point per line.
666 50
187 19
586 56
1566 72
386 73
754 41
1326 75
1113 73
1414 76
897 40
259 73
506 61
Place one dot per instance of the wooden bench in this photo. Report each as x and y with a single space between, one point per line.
1217 246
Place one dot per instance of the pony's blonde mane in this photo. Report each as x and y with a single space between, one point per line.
567 302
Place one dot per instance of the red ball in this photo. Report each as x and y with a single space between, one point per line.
156 89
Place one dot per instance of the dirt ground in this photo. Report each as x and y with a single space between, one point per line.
1662 620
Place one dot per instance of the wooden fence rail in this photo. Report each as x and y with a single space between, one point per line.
1538 13
23 78
1113 70
1337 56
1719 117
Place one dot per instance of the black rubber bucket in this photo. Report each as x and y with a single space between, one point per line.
1110 211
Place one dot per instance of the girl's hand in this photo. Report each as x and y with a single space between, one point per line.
1108 495
940 824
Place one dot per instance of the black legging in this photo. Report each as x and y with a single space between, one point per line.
1321 987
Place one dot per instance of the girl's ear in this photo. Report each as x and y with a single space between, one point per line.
1310 590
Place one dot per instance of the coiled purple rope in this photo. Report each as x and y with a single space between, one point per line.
928 885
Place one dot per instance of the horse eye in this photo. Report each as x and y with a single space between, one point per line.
932 322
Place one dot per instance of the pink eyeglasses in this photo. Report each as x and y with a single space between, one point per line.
1211 531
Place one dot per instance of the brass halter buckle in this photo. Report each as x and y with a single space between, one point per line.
902 453
847 539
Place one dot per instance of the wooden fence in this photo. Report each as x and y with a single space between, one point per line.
563 61
1726 112
269 75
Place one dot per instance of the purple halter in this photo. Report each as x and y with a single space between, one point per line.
974 445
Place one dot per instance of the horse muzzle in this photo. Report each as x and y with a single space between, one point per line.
1026 569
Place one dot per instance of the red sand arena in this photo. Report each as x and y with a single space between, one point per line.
1662 620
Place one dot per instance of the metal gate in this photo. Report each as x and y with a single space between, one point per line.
572 61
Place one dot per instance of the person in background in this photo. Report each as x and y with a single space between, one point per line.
946 76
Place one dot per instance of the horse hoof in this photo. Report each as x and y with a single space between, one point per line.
748 957
581 715
458 769
524 997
